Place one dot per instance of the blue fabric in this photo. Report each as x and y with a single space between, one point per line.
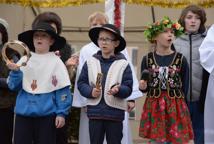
100 128
102 110
54 103
197 118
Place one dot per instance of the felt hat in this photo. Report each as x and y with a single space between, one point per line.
27 36
94 34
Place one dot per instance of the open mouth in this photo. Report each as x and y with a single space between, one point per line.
169 40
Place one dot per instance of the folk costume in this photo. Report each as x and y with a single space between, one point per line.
104 110
44 91
79 101
165 116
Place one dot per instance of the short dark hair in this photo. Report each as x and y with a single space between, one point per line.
196 10
3 30
49 17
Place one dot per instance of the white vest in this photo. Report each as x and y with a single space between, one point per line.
114 75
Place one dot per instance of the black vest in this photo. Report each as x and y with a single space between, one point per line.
166 78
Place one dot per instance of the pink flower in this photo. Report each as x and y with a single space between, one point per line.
162 104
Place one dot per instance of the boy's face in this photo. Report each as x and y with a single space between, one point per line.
42 42
192 22
107 42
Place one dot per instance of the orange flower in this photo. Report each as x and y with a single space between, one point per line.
177 26
157 23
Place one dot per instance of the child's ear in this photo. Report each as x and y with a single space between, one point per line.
117 42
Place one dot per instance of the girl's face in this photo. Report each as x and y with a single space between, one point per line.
42 42
165 38
107 43
192 22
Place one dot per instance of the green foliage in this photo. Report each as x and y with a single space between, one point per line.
155 28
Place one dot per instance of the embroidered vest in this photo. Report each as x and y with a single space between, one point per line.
166 78
114 76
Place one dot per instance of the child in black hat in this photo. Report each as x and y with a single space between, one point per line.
106 100
44 95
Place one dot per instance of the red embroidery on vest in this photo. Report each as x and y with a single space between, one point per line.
54 81
34 85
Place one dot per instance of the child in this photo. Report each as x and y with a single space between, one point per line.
106 104
44 95
165 116
65 55
87 51
193 18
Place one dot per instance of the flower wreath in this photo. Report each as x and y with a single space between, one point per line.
155 28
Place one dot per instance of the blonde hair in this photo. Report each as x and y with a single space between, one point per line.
98 14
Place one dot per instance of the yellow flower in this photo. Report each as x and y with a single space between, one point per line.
165 21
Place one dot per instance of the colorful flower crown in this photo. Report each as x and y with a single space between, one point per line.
155 28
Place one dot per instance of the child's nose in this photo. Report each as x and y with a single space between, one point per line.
193 20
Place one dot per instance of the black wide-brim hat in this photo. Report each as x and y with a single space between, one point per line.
94 34
27 37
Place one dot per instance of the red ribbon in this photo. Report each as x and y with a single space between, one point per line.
117 13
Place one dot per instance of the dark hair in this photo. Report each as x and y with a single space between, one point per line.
196 10
49 17
3 30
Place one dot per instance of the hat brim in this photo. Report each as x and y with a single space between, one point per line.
94 34
27 38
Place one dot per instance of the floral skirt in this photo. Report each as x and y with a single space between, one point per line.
166 119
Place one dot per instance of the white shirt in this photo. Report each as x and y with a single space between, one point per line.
207 61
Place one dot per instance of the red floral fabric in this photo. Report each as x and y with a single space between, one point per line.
166 119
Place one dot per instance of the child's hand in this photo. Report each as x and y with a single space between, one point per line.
142 84
12 65
59 122
96 92
114 90
131 105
